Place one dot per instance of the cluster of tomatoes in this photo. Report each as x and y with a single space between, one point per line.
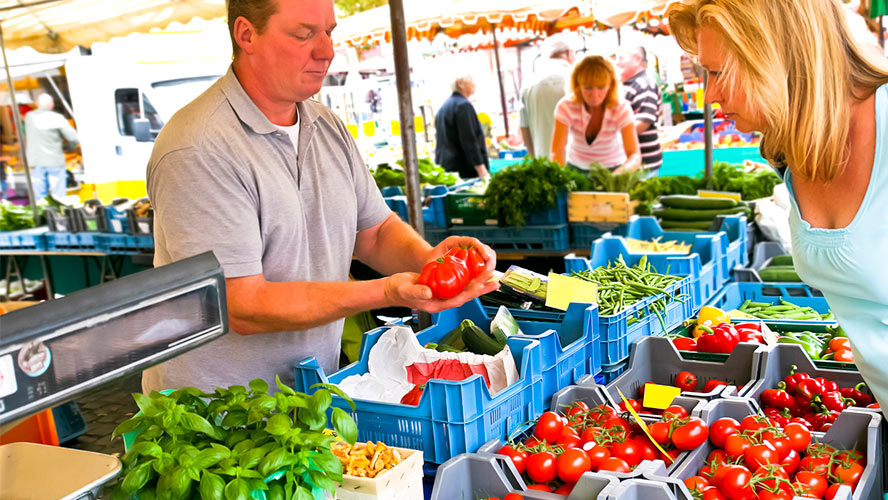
757 458
448 275
812 402
586 439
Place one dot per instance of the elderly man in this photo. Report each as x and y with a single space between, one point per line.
274 185
538 100
460 144
48 135
644 96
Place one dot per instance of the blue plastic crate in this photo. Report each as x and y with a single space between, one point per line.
733 253
554 215
552 238
69 421
72 242
116 220
113 243
584 234
452 417
568 341
24 239
398 205
735 294
434 206
615 332
610 371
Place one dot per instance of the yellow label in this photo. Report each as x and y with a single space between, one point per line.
418 124
659 396
719 194
562 290
642 425
396 128
369 128
353 130
700 101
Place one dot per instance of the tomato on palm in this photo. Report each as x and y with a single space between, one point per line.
549 427
541 467
473 258
690 435
519 458
721 429
446 276
572 464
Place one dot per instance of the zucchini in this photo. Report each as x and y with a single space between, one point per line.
781 260
696 202
479 341
682 214
685 224
447 348
453 339
784 274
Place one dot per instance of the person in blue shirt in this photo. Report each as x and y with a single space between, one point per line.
792 70
460 144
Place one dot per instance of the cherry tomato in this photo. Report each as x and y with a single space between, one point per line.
755 423
782 445
717 456
572 464
601 413
569 438
721 429
597 454
799 436
590 435
519 458
790 464
548 427
690 435
686 381
696 483
541 466
628 451
614 464
815 484
817 465
618 422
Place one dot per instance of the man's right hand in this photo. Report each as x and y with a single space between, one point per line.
402 290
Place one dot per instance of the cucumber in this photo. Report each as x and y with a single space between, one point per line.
684 224
479 341
682 214
696 202
781 260
785 274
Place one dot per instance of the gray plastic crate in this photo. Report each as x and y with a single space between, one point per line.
653 484
761 256
776 362
854 427
655 359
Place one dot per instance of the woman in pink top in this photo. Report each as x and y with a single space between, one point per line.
601 126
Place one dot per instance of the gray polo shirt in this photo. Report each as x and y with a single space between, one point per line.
222 177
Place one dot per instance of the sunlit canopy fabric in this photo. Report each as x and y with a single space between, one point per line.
59 25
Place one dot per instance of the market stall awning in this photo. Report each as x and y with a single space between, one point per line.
425 20
60 25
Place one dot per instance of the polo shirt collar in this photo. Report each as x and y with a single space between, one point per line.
249 113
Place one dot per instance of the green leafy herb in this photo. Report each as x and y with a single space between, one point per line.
386 176
523 188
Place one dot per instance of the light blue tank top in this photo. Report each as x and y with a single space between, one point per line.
850 265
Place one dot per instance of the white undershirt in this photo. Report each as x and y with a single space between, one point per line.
293 132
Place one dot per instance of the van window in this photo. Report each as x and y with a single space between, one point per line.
127 103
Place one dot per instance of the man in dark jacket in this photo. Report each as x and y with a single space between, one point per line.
460 140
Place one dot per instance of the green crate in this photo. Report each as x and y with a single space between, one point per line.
467 209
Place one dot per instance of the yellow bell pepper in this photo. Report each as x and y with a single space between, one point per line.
709 317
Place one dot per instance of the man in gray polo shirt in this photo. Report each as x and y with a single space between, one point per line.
274 185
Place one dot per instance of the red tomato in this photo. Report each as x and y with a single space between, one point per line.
634 403
710 385
817 465
569 438
690 435
541 466
519 458
618 422
696 483
779 494
628 451
820 450
660 432
597 454
646 448
736 445
674 412
446 276
782 445
713 493
549 427
532 442
590 435
755 423
852 456
834 489
540 487
614 464
790 464
572 464
601 413
761 455
734 482
813 484
686 381
799 436
564 490
721 429
473 258
717 456
848 472
513 496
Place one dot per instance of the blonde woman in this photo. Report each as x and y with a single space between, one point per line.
792 70
600 125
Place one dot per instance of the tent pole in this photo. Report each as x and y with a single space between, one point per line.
18 128
499 75
707 120
882 32
61 97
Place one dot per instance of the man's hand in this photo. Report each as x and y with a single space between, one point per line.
402 290
482 171
465 241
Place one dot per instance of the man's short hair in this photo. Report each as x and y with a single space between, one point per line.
45 101
457 81
256 11
555 47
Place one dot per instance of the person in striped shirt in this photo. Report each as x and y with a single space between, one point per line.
592 123
644 96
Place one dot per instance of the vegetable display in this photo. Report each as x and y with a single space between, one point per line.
429 173
15 217
783 309
656 246
695 213
225 444
521 189
468 337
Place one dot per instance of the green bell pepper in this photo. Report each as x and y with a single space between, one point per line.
810 349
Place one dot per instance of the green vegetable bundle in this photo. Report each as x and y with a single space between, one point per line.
695 213
521 189
223 445
385 175
750 185
782 310
14 217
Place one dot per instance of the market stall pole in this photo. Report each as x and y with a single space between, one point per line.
499 77
18 127
707 121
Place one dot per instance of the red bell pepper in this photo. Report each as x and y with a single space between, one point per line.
721 338
809 388
749 326
778 398
856 393
684 343
827 385
413 396
781 418
833 401
793 379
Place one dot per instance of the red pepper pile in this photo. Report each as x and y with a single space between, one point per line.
587 439
813 402
721 338
759 458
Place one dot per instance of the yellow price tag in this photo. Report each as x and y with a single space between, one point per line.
643 426
562 290
702 193
396 128
659 396
418 124
353 130
369 129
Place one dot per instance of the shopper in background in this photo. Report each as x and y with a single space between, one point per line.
823 111
644 97
460 145
538 100
47 136
272 182
599 124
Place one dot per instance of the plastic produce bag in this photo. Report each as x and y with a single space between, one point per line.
398 361
772 216
505 322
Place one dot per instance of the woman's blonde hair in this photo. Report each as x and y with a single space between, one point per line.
597 71
799 64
